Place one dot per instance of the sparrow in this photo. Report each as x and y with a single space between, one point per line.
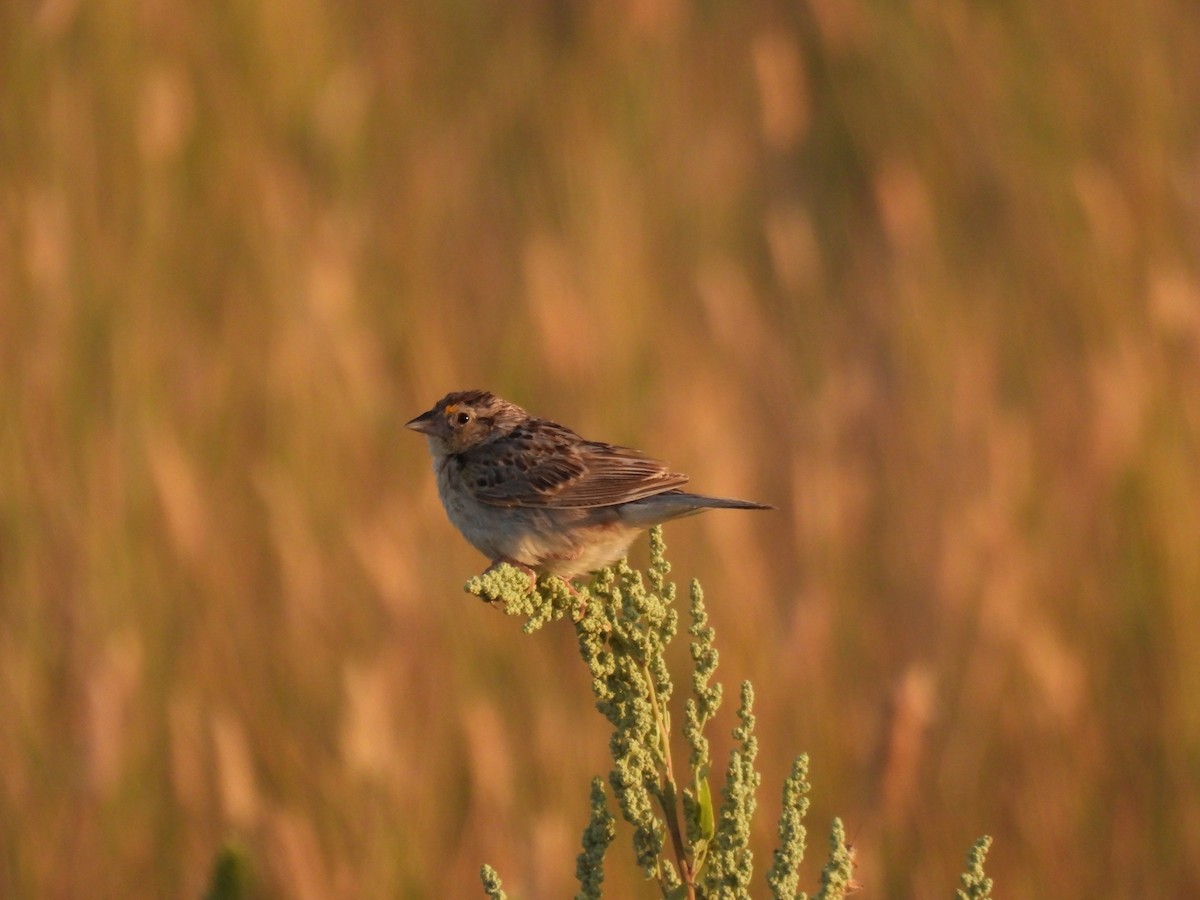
531 492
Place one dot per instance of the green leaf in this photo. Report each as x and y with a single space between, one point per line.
707 819
230 878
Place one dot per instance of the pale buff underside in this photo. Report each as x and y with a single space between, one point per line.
563 542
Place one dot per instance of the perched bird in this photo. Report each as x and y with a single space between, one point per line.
532 492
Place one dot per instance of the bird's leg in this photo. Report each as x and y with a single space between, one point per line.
581 606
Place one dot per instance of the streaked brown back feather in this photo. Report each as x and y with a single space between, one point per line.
546 465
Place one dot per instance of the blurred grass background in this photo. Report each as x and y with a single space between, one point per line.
924 275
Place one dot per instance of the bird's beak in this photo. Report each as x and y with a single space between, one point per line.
424 423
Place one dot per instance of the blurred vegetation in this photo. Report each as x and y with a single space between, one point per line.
924 275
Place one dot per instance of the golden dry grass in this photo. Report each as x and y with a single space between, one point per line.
924 275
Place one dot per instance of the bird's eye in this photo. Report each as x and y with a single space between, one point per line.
462 418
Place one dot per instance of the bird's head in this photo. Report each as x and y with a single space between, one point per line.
466 419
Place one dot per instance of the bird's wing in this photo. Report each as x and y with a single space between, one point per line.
549 466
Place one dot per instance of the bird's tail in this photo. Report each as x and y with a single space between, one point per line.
704 502
676 504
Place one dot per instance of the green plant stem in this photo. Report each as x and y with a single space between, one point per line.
668 797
